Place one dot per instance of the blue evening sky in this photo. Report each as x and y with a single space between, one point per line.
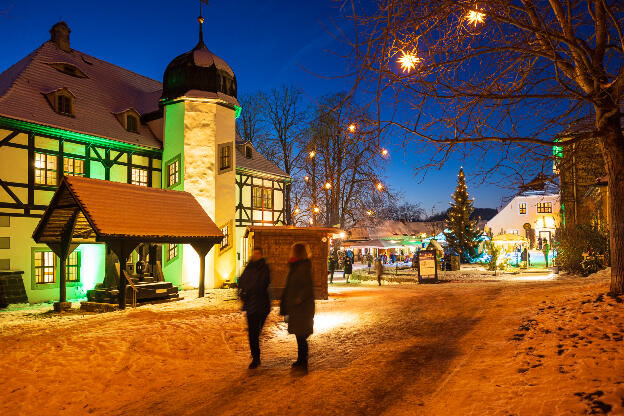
267 43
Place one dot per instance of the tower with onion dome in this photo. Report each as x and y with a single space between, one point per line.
200 106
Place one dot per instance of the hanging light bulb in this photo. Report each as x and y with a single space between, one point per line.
384 152
352 127
296 210
306 178
328 185
312 154
316 210
379 186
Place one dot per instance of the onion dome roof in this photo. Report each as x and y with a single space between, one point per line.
199 73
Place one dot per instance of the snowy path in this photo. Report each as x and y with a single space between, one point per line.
430 349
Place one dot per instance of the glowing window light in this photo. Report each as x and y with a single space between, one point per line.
475 17
408 61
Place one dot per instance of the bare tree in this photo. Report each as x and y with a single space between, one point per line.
498 80
343 162
251 125
285 114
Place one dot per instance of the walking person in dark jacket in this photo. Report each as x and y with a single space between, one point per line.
332 268
253 288
298 302
348 268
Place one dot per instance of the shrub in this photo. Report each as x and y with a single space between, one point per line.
577 241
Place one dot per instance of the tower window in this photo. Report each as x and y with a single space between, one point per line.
226 237
225 157
173 172
132 123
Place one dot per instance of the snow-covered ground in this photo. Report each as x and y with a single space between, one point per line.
542 347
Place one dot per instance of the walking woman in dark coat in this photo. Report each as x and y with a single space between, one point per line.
253 288
298 302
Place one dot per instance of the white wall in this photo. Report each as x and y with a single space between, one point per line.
510 221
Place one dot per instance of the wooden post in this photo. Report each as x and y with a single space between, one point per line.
202 248
202 274
63 280
122 248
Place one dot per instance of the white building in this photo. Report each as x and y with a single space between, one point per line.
531 210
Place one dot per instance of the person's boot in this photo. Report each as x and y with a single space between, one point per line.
255 363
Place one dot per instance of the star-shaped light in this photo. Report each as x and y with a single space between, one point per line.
408 61
475 17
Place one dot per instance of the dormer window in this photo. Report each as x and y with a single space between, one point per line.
62 101
248 152
130 119
68 69
132 123
63 104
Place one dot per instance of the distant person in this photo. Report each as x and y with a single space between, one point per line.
348 269
546 250
253 287
332 268
298 303
379 270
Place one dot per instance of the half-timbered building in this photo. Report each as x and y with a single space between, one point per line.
64 112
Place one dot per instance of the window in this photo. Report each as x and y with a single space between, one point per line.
173 172
544 207
172 251
132 123
139 176
262 198
73 167
226 237
72 267
44 267
45 169
225 157
5 242
248 152
522 207
64 104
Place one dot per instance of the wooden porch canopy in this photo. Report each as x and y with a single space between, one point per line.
85 210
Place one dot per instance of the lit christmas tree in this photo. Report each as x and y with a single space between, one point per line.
462 232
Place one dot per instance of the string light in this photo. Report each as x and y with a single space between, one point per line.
307 178
316 210
312 154
296 210
384 152
328 185
379 186
369 212
351 127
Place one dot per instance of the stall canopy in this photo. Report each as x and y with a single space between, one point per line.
379 244
85 210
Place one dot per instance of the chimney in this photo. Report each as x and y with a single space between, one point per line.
60 36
